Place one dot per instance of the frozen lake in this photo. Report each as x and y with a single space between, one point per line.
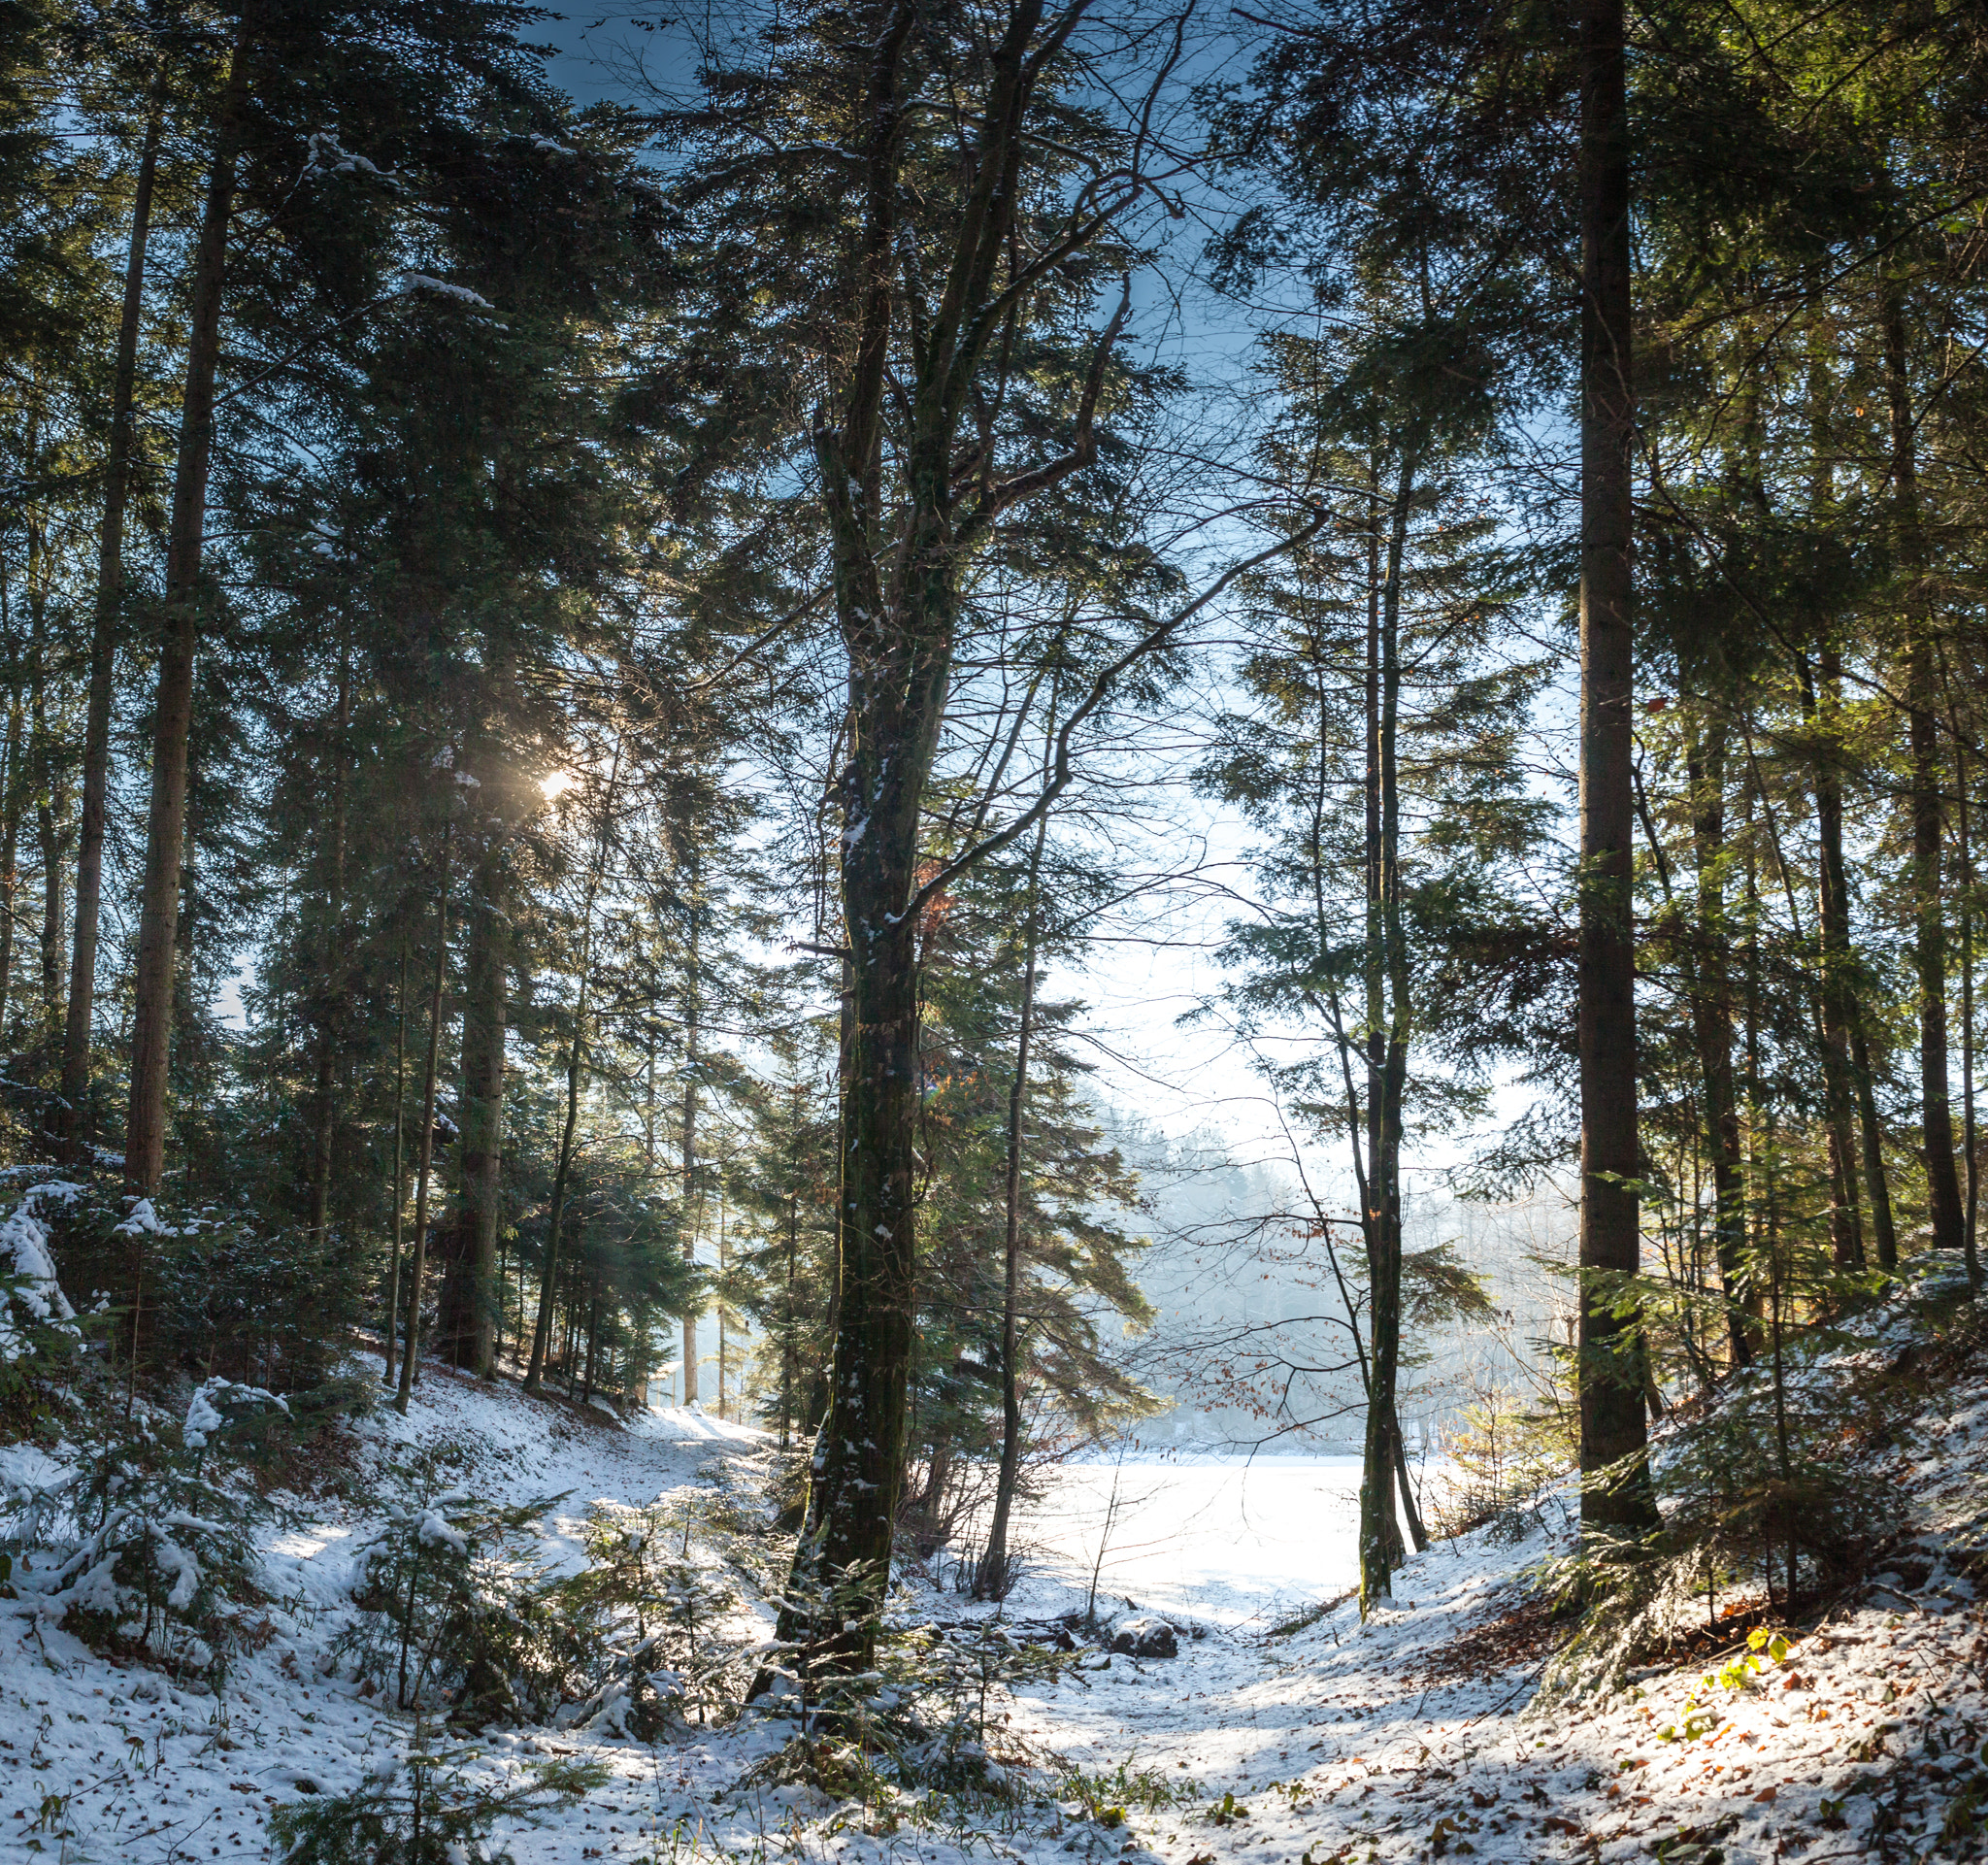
1228 1540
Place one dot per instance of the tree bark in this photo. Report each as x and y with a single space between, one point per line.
990 1578
693 986
411 1358
1835 994
51 800
1389 1022
1613 1423
1969 1140
1841 997
331 964
1712 1018
897 581
483 1123
1971 1163
12 801
400 1189
73 1112
576 1063
151 1024
1928 804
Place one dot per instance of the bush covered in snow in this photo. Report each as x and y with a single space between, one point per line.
38 1327
660 1603
203 1286
149 1554
456 1611
1767 1504
431 1809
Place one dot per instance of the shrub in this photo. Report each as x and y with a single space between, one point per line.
659 1608
1762 1507
429 1810
920 1719
455 1609
155 1557
208 1287
39 1331
1504 1455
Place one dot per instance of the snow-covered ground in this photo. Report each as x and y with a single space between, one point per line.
1260 1743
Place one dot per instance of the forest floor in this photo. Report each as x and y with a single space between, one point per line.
1309 1740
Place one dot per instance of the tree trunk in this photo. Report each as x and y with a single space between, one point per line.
73 1112
897 581
692 1205
1612 1424
151 1024
1964 855
1712 1018
991 1578
1416 1532
411 1358
13 803
1845 1081
400 1189
790 1369
1929 952
576 1062
1836 993
331 972
1840 998
555 1217
482 1123
1389 1026
52 799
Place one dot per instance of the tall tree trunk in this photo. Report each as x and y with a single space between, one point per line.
790 1368
555 1216
1389 1022
897 581
576 1063
151 1025
1837 991
52 798
1846 1087
482 1123
1410 1513
692 1197
400 1189
331 983
990 1578
1711 1017
73 1110
1613 1423
410 1358
1928 950
13 805
1964 855
1840 998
